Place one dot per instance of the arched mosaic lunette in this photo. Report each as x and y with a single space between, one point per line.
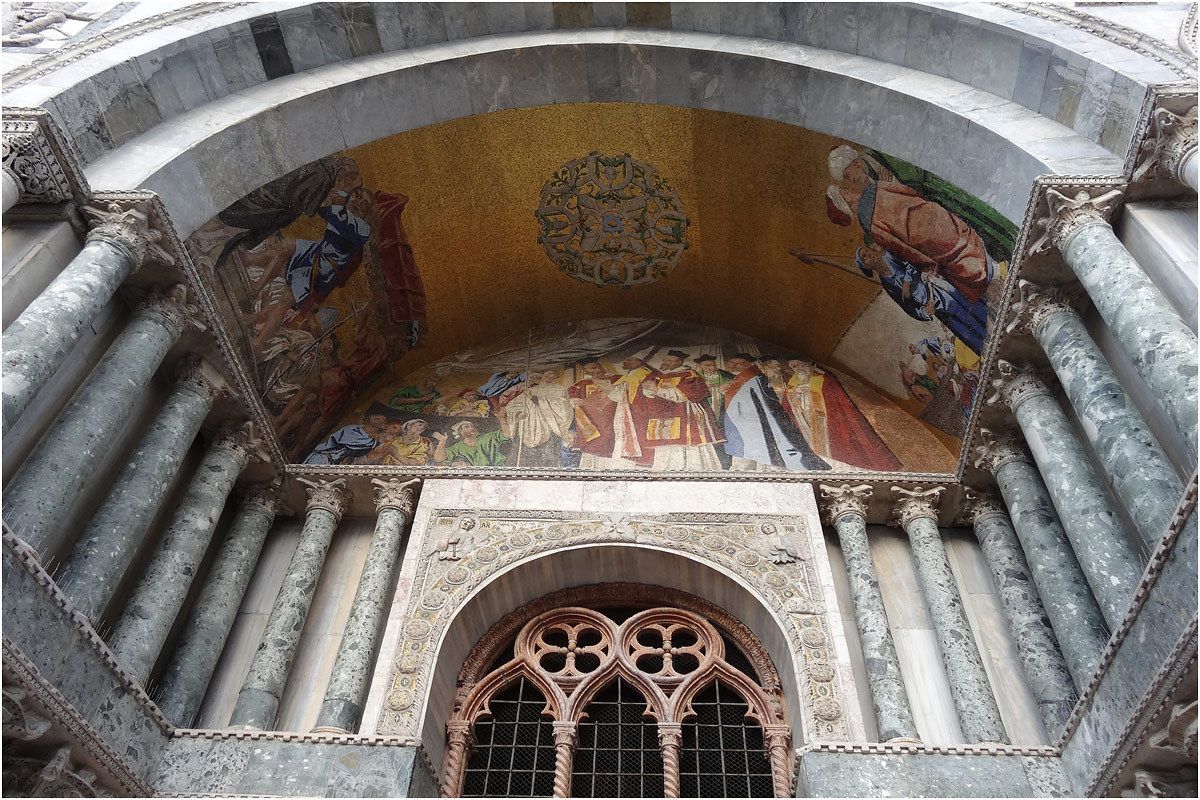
772 555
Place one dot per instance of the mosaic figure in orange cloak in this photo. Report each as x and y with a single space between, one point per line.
595 414
681 427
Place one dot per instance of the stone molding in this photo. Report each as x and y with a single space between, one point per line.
981 503
845 499
914 504
1017 384
1069 209
915 748
287 736
395 494
995 449
40 159
1036 305
331 496
127 227
197 374
1187 33
733 543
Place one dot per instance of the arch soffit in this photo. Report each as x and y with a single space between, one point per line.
207 158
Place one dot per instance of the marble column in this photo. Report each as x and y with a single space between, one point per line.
782 757
11 192
38 340
1097 532
670 739
1074 614
186 679
351 677
115 534
143 628
258 701
40 497
978 714
1156 339
846 507
1045 670
1143 478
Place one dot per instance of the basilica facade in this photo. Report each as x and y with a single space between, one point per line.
599 399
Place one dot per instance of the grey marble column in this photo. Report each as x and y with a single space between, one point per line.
351 677
186 679
111 540
143 628
39 499
978 714
1074 614
1046 671
1158 342
11 191
1146 482
846 507
36 343
1097 532
258 701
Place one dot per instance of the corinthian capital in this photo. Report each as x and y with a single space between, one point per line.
1169 143
1037 304
128 228
242 442
265 496
1066 215
396 494
979 504
330 496
1016 385
172 308
844 499
994 450
912 504
202 377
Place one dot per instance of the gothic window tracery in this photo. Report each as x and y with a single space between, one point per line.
658 702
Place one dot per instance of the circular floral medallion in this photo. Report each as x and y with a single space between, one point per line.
486 554
612 221
520 540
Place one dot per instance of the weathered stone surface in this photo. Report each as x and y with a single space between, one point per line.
351 677
40 496
114 535
143 628
1147 484
823 774
1045 670
892 711
1156 339
183 685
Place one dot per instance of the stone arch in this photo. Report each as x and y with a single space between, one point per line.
504 560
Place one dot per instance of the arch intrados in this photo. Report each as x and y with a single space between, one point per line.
476 705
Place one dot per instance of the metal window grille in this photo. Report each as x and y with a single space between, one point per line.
723 753
514 748
618 753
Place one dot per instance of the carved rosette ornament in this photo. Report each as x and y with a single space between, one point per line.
994 450
202 377
1067 215
914 504
127 228
395 493
1036 305
1016 384
844 499
171 307
1169 145
331 496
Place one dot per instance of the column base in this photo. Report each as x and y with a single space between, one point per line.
330 729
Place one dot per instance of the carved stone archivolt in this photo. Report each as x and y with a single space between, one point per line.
462 550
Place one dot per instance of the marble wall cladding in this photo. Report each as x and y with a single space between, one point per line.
929 775
198 766
34 254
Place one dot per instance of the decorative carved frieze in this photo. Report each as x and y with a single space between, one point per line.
127 227
1063 214
912 504
331 496
1016 384
844 499
995 449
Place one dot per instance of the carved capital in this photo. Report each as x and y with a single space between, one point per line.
913 504
395 493
20 721
458 731
844 499
1179 735
980 504
565 733
1169 143
30 160
127 227
330 496
670 734
1038 304
994 450
265 497
172 309
1016 385
1065 215
242 442
197 374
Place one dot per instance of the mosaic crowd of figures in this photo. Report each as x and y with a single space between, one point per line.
630 394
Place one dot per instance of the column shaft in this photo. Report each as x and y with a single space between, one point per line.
37 341
978 713
1097 533
883 668
1045 669
258 700
1157 341
351 676
118 530
39 499
11 191
1147 484
186 679
143 628
1076 618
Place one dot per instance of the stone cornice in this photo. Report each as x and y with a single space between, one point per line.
331 496
40 158
1016 385
994 450
914 504
838 501
395 494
